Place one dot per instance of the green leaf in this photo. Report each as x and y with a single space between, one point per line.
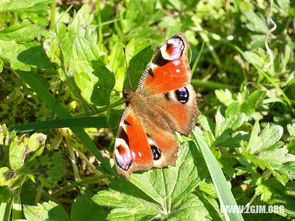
132 214
136 67
225 196
17 152
254 58
8 177
224 96
45 211
266 139
256 22
190 208
46 169
22 32
253 101
85 209
25 5
24 56
231 122
84 122
170 185
113 198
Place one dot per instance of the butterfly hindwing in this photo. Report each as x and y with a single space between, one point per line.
132 151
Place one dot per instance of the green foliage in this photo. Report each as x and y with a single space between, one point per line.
64 66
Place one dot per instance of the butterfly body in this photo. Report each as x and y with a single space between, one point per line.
163 103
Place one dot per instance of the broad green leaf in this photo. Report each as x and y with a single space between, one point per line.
22 32
85 209
25 5
113 198
24 56
102 89
190 208
82 54
170 185
126 214
45 211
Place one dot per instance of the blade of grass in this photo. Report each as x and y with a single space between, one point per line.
211 84
61 112
198 57
224 193
83 122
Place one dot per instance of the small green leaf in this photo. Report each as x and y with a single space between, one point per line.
266 139
18 151
230 122
224 96
8 177
45 211
253 101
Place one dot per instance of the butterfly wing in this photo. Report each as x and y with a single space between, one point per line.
169 69
132 151
166 83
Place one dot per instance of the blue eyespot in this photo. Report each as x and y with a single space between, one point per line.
182 95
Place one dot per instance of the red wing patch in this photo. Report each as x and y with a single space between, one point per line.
169 70
132 151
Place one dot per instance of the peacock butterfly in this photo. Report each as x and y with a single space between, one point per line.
163 103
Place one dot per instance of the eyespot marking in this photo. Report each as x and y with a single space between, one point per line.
182 95
122 154
156 152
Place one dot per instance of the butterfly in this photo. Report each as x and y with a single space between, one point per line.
163 103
